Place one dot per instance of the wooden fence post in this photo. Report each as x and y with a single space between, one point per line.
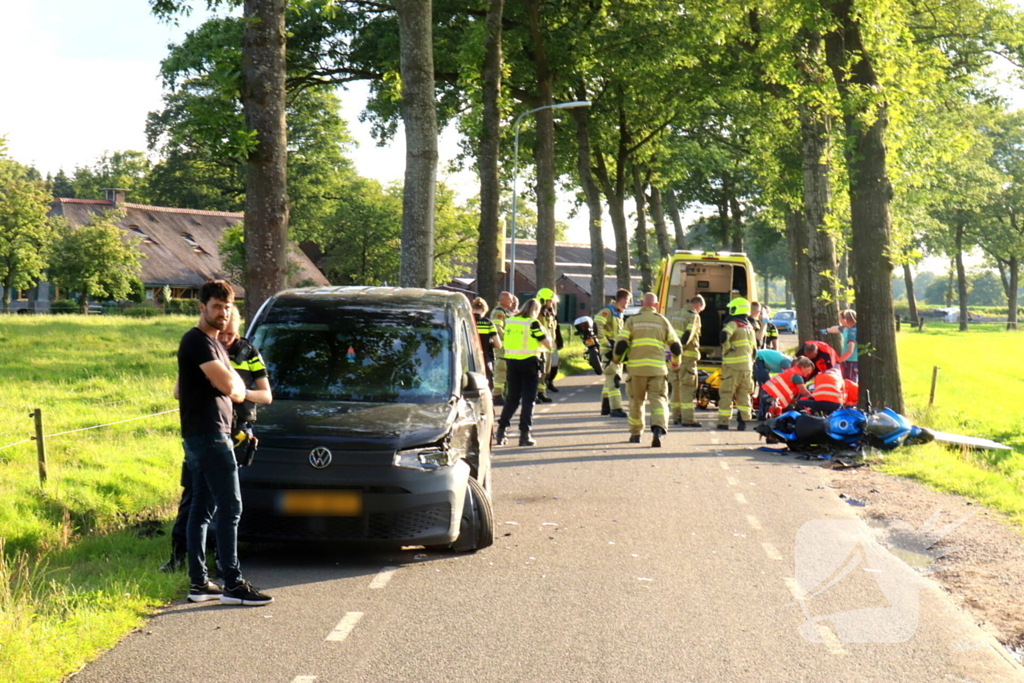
935 379
40 444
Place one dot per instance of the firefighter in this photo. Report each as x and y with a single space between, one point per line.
548 319
684 380
785 387
609 323
828 394
498 316
523 340
739 348
648 335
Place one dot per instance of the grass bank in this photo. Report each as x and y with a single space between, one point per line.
980 381
75 575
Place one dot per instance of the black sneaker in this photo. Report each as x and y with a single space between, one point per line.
243 593
210 591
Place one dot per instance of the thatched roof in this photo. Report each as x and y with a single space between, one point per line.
180 244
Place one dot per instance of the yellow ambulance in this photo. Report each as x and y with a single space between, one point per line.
718 276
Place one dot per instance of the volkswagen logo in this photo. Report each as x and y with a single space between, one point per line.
320 457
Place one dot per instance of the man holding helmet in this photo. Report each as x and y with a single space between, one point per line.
739 348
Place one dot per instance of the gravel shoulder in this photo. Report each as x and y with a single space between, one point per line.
974 553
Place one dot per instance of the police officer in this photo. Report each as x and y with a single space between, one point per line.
490 339
739 348
609 323
548 319
647 335
523 340
501 312
686 322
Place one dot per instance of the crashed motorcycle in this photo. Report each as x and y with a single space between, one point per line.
586 331
850 430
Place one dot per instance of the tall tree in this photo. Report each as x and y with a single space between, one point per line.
25 231
487 265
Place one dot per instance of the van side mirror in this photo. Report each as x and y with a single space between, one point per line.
473 383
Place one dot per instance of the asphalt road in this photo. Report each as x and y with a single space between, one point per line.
703 561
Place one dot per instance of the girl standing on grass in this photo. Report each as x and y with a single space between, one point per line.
847 327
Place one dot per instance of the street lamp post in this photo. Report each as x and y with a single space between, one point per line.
515 178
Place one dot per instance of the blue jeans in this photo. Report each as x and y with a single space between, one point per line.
211 459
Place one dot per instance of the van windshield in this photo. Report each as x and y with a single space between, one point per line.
321 353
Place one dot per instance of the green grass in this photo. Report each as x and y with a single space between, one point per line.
980 381
74 577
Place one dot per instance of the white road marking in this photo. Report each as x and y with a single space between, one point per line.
754 521
741 499
714 439
544 410
562 399
733 481
304 679
345 626
382 578
771 551
724 464
829 637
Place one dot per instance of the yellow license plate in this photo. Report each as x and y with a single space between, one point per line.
322 503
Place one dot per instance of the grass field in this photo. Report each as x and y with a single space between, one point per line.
74 574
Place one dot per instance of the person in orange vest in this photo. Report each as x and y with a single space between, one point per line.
852 393
785 387
828 393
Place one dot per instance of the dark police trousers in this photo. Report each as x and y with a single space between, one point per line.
523 376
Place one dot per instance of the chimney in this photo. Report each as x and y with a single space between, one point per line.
114 195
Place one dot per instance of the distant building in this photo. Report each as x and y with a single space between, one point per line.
180 246
573 267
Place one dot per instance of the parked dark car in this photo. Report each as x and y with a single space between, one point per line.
380 429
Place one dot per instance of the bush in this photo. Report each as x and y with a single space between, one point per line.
141 312
182 307
62 306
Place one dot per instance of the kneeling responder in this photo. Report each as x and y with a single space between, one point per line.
827 396
785 387
524 339
684 380
739 348
647 336
609 323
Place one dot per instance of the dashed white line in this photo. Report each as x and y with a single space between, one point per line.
733 481
304 679
714 439
742 500
771 551
382 578
754 521
724 464
345 626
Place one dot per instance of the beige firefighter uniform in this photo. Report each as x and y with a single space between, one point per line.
684 379
498 317
549 323
649 336
609 325
738 352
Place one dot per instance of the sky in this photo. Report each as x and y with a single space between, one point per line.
79 77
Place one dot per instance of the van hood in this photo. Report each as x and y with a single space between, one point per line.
353 425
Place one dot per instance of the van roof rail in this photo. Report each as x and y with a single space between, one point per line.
699 252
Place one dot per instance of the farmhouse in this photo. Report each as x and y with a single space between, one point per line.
180 246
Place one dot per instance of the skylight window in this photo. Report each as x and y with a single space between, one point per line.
191 241
137 231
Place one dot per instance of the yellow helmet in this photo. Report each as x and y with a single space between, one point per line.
739 306
545 294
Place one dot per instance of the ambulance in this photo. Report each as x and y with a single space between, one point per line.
718 276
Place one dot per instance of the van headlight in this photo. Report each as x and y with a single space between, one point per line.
425 459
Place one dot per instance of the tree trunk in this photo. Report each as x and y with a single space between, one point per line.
949 283
266 179
843 284
820 255
737 224
7 290
614 193
908 278
724 224
961 276
800 273
870 194
660 227
1011 318
487 266
83 302
419 115
543 152
581 118
642 251
677 221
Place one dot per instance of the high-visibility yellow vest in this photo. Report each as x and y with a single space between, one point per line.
519 342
